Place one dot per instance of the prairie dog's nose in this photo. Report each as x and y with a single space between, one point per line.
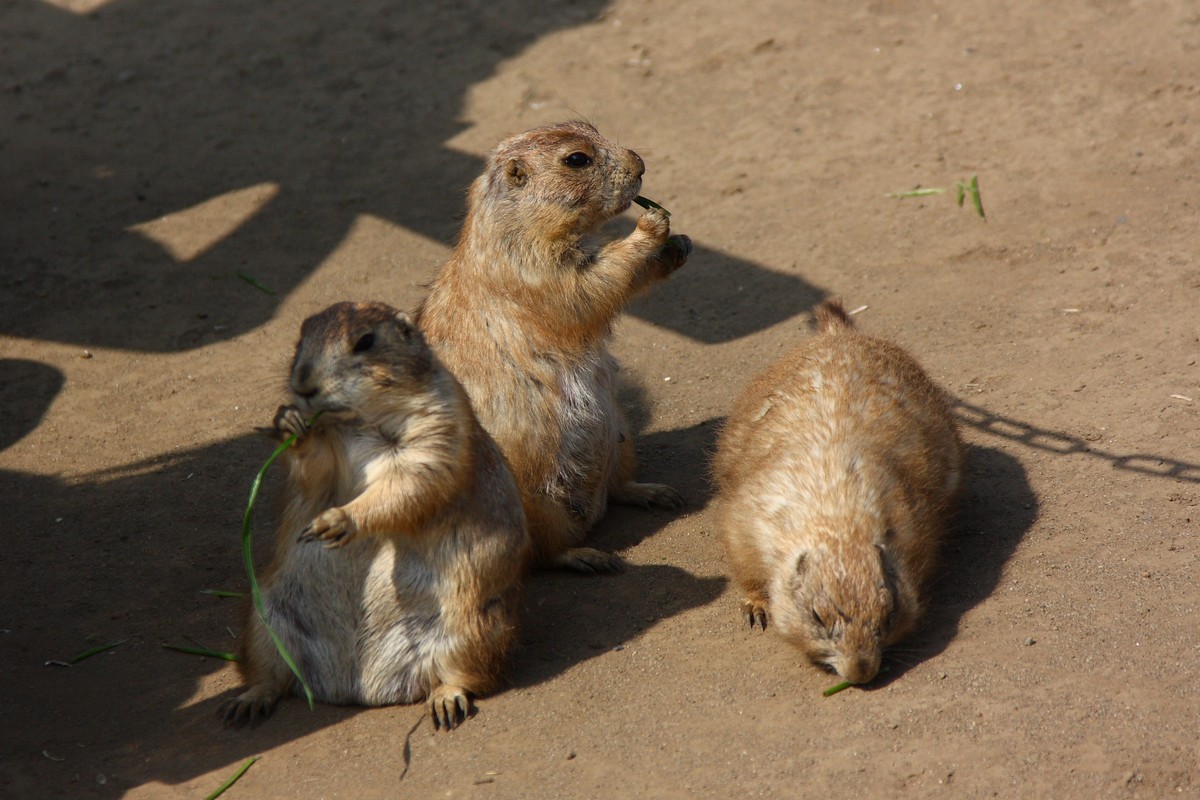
639 166
861 669
302 385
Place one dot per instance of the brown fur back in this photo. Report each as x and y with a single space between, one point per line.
836 470
522 313
416 591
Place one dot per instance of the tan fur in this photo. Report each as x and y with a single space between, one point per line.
416 591
522 313
836 470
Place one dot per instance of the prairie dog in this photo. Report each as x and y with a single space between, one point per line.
522 313
836 470
417 589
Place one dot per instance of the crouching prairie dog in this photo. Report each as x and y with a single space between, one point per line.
522 313
836 470
417 589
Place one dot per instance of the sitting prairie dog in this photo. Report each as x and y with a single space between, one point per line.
836 470
522 313
417 589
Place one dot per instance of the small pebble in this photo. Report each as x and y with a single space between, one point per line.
1030 642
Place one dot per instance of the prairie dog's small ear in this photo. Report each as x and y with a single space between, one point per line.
888 540
796 582
516 173
406 326
887 561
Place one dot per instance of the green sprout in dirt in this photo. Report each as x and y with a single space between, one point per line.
251 280
198 649
95 651
961 190
233 778
220 593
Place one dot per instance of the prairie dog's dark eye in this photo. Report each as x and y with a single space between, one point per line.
577 160
364 343
817 619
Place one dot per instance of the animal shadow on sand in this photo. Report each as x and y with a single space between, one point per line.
994 512
613 609
342 113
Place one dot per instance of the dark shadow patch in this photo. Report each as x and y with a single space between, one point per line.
716 297
27 388
569 619
996 510
344 112
1049 441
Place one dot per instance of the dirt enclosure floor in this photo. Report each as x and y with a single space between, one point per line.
153 152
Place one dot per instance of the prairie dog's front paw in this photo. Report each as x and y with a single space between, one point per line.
334 527
289 421
675 252
654 224
754 610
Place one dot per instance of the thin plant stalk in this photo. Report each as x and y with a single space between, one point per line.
248 558
233 778
646 202
95 651
201 650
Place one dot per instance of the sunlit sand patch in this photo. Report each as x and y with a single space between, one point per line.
78 6
188 233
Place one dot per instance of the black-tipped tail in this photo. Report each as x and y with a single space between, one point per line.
832 315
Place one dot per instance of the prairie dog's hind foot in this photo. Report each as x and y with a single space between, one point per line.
250 707
754 611
450 706
589 560
646 495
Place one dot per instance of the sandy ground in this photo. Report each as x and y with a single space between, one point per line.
153 152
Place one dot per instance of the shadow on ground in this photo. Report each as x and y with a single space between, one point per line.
997 509
345 113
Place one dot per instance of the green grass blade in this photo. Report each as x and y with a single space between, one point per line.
646 202
975 197
255 283
220 593
233 778
201 650
248 558
837 687
917 193
95 651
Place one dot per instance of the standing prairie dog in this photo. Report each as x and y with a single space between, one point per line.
416 591
836 470
522 313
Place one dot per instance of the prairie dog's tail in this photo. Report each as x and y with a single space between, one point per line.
832 315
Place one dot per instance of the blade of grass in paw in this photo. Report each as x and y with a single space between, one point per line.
248 557
646 202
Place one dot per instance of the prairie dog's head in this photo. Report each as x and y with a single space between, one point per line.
843 602
360 359
558 181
